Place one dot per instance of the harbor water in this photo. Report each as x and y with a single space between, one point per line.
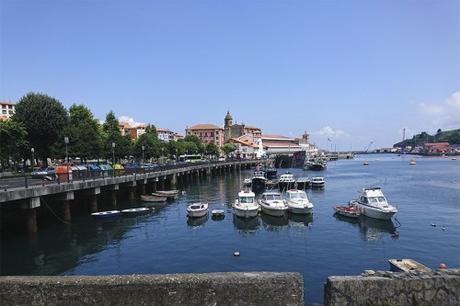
427 229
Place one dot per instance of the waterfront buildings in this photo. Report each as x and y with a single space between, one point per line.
133 131
165 135
237 130
7 110
207 133
247 146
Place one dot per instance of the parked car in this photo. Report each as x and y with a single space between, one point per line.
42 172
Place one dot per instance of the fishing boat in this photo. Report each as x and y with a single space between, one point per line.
316 164
106 214
373 204
349 211
303 182
298 202
197 210
406 265
135 211
286 181
258 181
317 182
153 198
167 193
271 184
218 214
273 204
246 206
247 182
271 173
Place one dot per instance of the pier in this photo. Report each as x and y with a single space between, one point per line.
28 199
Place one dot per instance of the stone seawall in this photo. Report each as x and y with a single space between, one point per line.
440 287
250 288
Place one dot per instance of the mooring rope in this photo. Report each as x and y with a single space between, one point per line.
59 218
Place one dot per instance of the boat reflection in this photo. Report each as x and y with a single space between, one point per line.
246 225
300 220
193 222
372 229
274 223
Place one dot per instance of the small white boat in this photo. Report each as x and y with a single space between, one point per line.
135 211
196 210
273 204
167 193
286 181
365 163
246 206
106 214
412 162
406 265
317 182
373 204
298 202
303 182
247 182
218 214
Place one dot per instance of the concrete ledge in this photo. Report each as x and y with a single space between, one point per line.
243 288
387 288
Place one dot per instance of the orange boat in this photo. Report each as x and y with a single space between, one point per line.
349 211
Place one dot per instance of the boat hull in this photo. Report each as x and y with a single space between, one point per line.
275 212
245 213
299 210
286 185
374 213
197 213
258 184
317 185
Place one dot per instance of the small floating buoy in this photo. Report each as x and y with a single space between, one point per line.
236 253
442 266
443 228
433 225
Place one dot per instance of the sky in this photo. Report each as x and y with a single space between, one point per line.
352 71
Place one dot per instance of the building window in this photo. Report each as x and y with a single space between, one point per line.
4 111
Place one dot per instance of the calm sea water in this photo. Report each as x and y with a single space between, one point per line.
317 246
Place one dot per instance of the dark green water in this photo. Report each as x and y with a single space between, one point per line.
316 246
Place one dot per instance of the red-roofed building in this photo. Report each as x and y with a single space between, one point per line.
436 147
207 133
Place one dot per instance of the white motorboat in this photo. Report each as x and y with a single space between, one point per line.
286 181
373 204
298 202
258 181
196 210
317 182
135 211
246 206
273 204
106 214
247 182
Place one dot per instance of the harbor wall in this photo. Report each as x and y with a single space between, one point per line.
230 288
440 287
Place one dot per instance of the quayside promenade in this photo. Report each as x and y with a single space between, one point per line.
29 198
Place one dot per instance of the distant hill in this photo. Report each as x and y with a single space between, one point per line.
452 137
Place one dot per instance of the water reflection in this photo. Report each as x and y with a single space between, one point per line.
274 223
246 225
300 220
193 222
371 229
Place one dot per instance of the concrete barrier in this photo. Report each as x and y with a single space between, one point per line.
387 288
243 288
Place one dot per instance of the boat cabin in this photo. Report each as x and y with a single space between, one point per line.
271 196
296 195
287 177
259 173
246 197
373 197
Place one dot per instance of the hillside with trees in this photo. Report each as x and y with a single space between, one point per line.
451 136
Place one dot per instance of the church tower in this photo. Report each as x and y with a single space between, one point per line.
228 122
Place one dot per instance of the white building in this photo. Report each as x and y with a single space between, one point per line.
165 135
7 110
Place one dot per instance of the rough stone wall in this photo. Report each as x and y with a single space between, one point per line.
440 287
250 288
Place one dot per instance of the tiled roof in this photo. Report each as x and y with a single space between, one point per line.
273 136
252 127
204 126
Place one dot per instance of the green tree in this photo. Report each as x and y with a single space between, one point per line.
199 144
212 149
14 145
84 132
111 134
44 118
228 148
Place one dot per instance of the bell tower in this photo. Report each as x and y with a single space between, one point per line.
228 122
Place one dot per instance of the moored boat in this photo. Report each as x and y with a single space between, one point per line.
197 210
106 214
273 204
135 211
347 211
246 206
373 204
406 265
286 181
247 182
298 202
258 181
271 173
303 182
153 198
316 164
317 182
412 162
167 193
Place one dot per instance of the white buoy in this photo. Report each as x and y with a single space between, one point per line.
236 253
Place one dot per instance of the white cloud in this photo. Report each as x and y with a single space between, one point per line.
330 132
130 121
443 115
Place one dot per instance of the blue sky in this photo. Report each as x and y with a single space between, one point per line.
353 71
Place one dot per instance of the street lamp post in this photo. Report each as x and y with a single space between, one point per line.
113 153
143 148
66 141
32 150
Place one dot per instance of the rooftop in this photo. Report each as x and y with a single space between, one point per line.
204 126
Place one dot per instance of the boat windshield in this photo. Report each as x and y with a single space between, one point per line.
272 197
298 195
246 200
377 200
